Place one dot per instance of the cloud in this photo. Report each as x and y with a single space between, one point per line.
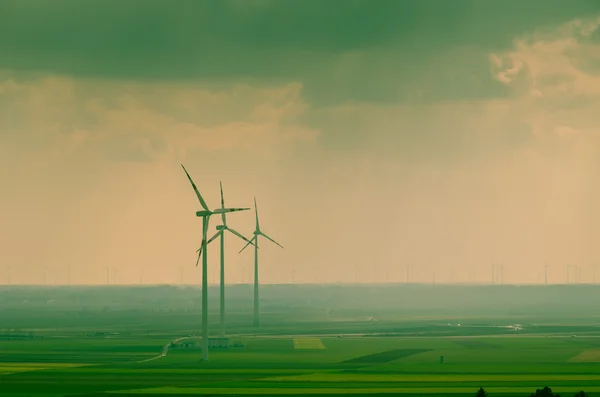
550 106
357 52
150 121
554 84
553 64
478 151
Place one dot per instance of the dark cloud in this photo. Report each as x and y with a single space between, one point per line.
255 41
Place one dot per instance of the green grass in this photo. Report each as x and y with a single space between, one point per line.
67 361
340 390
272 366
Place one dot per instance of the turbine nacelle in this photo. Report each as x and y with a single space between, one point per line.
219 211
221 227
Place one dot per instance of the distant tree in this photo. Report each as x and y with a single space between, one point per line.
482 393
545 392
581 394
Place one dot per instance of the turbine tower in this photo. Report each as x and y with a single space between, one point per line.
205 215
221 232
254 240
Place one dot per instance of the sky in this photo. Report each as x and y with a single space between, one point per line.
435 135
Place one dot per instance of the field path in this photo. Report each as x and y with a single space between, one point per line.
165 349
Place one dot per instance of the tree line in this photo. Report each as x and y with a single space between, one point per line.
545 392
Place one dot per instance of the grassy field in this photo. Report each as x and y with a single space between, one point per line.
118 353
506 365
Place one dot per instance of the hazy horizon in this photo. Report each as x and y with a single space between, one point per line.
444 136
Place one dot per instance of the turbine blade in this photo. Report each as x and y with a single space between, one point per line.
256 212
224 210
240 236
264 235
217 234
202 202
249 242
204 231
199 250
222 204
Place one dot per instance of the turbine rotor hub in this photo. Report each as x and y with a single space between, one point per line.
221 227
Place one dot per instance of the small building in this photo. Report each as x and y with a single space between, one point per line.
185 345
213 343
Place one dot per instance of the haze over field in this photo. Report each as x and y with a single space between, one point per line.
436 134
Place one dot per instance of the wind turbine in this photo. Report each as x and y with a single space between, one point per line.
221 232
501 275
254 240
205 215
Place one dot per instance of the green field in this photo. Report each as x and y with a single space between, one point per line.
274 366
67 352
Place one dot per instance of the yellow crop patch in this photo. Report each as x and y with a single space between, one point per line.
308 344
590 355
